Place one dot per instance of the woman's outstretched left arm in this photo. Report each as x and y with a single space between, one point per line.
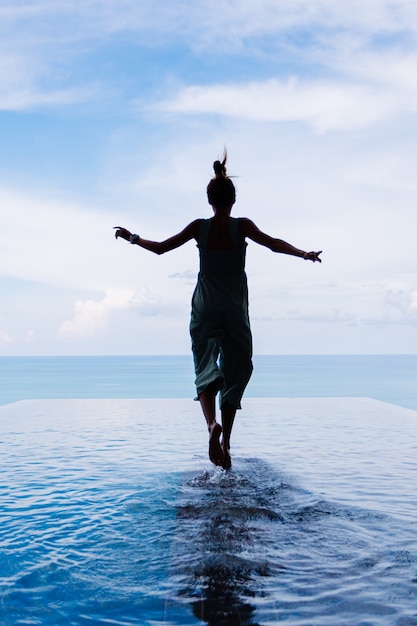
250 230
160 247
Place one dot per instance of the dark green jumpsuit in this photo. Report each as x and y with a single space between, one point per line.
219 327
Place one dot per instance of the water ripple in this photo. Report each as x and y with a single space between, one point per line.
301 556
97 528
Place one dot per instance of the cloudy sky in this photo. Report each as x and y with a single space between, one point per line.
112 112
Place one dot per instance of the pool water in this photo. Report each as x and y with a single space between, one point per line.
112 514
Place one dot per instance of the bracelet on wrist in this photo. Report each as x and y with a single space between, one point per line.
134 238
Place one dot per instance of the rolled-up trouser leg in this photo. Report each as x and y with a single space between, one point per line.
235 361
207 371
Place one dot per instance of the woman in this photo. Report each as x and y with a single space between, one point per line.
219 327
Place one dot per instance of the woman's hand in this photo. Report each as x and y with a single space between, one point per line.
122 232
312 256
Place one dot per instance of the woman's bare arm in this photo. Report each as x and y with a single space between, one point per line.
250 230
160 247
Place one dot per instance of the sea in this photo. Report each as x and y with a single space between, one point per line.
390 378
111 512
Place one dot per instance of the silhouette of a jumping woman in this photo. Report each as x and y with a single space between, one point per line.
220 329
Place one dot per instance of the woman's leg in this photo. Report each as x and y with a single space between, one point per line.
207 400
228 417
236 366
209 380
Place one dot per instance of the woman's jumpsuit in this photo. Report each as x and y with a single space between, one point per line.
219 327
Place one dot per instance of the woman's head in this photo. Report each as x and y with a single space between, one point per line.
221 191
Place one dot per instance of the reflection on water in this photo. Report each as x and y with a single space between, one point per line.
253 547
218 518
109 514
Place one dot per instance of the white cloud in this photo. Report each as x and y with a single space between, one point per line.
402 300
360 304
31 335
6 337
241 18
34 98
91 316
149 303
41 44
323 105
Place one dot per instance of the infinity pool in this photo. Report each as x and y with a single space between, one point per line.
112 514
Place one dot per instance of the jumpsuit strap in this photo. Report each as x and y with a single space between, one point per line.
234 233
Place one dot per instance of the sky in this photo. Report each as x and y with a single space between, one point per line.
112 113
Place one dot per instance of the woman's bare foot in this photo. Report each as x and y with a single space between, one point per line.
215 450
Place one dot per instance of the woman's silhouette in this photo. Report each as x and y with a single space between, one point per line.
219 327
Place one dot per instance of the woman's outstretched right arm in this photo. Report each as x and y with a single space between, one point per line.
160 247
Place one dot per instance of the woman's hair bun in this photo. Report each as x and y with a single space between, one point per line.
220 168
221 191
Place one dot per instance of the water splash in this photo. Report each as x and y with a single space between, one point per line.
253 547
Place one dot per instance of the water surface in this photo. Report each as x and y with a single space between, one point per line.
111 514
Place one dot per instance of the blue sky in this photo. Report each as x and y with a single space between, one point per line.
112 112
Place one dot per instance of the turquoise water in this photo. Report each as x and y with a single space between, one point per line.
110 512
391 378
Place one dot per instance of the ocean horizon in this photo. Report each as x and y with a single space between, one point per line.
390 378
